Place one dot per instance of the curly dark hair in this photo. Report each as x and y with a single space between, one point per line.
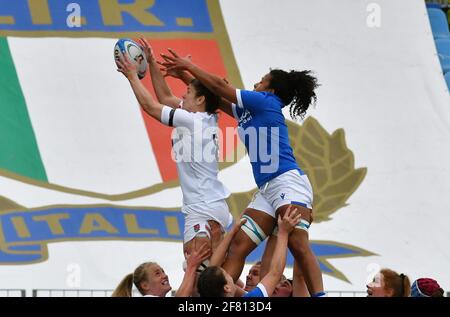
295 88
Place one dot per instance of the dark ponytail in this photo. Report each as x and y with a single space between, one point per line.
212 101
296 89
211 282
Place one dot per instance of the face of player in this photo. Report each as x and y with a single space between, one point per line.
191 102
253 277
376 288
230 287
263 84
157 282
283 289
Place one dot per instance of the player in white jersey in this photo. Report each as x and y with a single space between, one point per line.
195 148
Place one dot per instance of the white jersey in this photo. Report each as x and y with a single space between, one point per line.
195 151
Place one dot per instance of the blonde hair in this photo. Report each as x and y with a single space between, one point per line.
124 289
398 283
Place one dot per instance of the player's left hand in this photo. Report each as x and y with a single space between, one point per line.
175 62
126 67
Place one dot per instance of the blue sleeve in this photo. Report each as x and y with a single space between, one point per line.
258 291
253 101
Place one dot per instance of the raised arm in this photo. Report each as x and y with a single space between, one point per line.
219 254
145 99
162 90
285 226
182 75
225 106
211 81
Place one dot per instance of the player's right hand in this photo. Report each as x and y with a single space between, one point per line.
290 219
147 49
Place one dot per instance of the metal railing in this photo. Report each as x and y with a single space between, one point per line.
79 293
108 293
346 293
71 292
12 293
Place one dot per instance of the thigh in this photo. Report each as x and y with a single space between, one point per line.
264 221
242 243
195 244
216 232
306 213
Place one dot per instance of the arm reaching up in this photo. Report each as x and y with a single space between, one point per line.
219 254
162 90
211 81
285 226
193 262
182 75
145 99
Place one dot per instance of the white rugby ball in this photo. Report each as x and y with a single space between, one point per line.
134 53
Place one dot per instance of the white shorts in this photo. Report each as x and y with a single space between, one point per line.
196 217
287 188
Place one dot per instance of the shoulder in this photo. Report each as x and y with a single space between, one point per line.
259 97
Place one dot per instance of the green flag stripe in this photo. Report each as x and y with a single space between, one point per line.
19 151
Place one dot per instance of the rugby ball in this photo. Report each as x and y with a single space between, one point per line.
134 53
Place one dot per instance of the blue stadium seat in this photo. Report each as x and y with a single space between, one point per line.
443 49
445 63
439 23
447 79
434 5
443 46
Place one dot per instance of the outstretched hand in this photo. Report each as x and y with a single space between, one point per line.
175 62
126 67
198 256
147 49
175 73
290 219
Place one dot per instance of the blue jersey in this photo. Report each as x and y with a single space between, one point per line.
263 130
258 291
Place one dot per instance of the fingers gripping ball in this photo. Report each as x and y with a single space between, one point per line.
134 53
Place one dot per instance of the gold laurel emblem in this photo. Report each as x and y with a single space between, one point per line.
329 164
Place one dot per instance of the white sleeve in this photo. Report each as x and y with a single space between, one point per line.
177 118
235 114
239 98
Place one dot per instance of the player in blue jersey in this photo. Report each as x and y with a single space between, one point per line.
280 180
